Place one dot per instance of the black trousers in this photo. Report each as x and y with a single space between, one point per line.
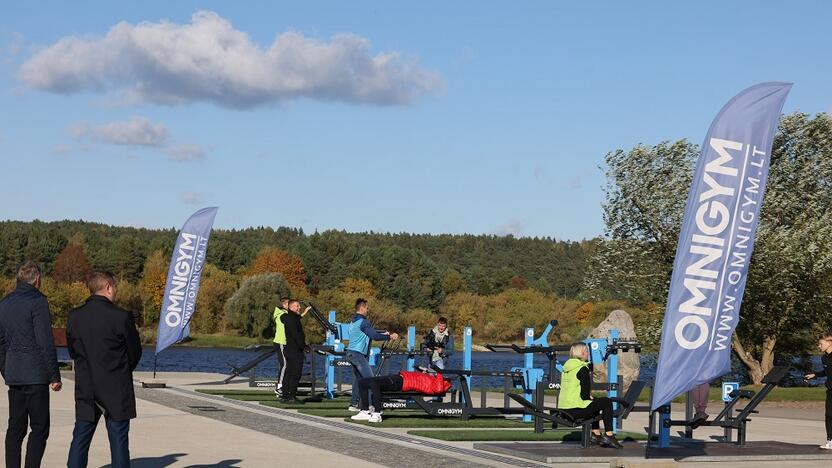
602 406
829 413
291 371
28 406
377 385
281 365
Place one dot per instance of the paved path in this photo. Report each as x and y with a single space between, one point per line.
178 427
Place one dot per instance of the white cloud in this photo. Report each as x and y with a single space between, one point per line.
210 61
192 198
511 227
137 131
186 153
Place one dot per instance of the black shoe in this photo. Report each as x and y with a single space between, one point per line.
290 400
613 442
598 439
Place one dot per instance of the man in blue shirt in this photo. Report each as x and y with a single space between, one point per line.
358 349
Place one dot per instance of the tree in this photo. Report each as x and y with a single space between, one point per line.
216 287
358 288
152 287
453 282
274 260
71 265
789 276
250 309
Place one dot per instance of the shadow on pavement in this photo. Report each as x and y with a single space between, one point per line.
155 462
222 464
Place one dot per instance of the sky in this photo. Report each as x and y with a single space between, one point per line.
428 117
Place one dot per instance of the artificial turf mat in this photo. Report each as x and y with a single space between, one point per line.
392 420
514 435
340 412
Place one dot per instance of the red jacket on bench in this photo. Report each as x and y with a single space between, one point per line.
425 384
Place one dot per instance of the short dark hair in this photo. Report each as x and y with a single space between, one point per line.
359 302
98 280
292 301
442 320
28 272
284 299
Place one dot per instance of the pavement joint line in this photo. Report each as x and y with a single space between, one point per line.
357 430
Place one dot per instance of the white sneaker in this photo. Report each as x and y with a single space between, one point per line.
354 409
826 446
363 415
374 418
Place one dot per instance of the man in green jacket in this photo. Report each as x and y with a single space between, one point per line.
280 343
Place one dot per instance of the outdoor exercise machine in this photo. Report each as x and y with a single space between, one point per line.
725 419
601 350
334 350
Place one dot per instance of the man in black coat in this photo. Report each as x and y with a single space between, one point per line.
29 365
105 345
293 352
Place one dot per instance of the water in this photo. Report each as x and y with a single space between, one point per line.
219 360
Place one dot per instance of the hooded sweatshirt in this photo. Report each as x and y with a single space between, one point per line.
574 385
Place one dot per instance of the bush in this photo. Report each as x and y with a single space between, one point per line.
250 309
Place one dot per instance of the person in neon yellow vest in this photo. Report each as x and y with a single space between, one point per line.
280 344
576 398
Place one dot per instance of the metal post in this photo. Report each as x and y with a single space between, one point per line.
612 373
728 416
329 371
688 414
664 431
466 355
411 346
528 363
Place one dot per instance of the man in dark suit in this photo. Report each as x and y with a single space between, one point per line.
29 365
104 343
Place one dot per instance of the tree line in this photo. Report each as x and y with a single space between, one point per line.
409 278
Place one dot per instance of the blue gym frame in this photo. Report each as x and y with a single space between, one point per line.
531 376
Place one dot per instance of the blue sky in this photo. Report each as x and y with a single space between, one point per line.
438 117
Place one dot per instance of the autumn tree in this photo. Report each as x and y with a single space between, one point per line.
215 288
71 265
274 260
152 286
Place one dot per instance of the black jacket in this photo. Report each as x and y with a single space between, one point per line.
27 353
105 345
826 360
295 338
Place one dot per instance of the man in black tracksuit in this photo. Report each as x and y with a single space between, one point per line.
293 351
825 347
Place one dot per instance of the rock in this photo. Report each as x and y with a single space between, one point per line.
628 363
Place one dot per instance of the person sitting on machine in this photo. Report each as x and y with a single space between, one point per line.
404 381
576 396
437 340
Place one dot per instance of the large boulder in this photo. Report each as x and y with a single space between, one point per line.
628 363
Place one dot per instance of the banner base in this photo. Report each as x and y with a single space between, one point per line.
154 383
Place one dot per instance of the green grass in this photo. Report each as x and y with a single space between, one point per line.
324 405
513 435
220 341
391 420
342 412
223 392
